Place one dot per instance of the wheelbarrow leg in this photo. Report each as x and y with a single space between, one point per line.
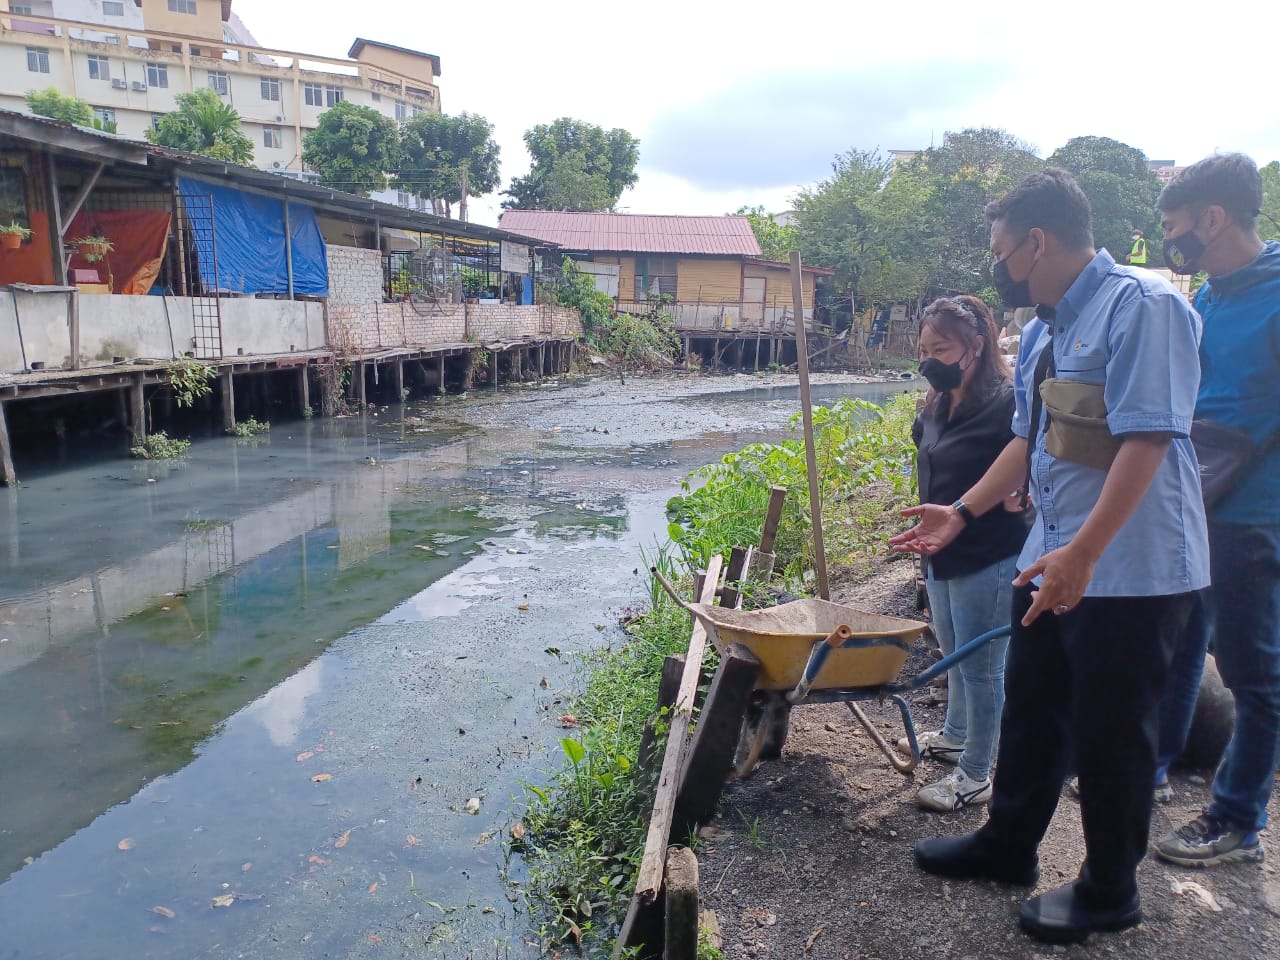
902 766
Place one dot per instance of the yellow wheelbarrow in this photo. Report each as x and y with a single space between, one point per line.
815 651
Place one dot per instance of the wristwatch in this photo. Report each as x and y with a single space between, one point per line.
962 508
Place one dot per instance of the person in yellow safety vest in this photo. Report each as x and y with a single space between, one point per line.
1138 255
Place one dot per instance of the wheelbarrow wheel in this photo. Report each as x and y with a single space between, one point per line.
764 732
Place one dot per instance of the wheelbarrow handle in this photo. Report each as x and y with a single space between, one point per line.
817 658
949 661
671 591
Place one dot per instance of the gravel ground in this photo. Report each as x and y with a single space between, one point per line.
812 856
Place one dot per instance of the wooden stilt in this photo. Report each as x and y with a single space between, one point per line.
440 367
493 368
398 380
228 402
360 387
542 360
304 389
137 411
8 477
517 364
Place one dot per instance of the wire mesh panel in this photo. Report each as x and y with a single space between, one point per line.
206 308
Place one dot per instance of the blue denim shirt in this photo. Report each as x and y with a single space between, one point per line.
1132 331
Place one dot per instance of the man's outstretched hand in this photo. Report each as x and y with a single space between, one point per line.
938 526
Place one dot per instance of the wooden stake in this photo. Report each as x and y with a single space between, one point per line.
806 411
8 478
681 933
137 411
228 401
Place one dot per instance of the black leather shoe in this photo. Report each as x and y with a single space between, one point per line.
967 858
1060 916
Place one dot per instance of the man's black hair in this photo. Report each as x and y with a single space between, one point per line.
1051 200
1229 180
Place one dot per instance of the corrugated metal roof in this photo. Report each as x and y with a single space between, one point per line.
636 232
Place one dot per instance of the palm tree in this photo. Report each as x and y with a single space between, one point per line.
204 124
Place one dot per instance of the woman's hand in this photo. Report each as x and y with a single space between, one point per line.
938 526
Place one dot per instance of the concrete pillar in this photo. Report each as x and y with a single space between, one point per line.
228 401
8 477
137 411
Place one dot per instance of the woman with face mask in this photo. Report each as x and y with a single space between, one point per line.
963 426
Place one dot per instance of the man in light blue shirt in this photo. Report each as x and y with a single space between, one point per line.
1110 568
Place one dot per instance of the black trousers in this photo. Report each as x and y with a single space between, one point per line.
1082 692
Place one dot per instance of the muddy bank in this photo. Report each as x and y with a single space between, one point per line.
812 856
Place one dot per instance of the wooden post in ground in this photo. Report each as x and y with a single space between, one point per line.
360 386
440 367
8 477
397 378
542 360
680 940
668 688
711 755
493 368
228 401
806 413
137 411
304 389
517 364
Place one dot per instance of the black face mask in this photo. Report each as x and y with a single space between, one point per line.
942 376
1182 254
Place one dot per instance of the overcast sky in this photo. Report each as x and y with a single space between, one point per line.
745 102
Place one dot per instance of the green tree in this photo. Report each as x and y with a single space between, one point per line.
776 240
51 102
204 124
1121 187
571 155
838 220
352 148
439 152
1269 222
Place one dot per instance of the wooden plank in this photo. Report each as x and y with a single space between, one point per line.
731 595
680 940
228 401
668 688
710 755
137 411
8 477
806 413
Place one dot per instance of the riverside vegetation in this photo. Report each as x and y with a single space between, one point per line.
583 833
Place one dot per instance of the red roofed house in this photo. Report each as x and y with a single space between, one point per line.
711 266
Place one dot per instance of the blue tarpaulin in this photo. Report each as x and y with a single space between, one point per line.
248 232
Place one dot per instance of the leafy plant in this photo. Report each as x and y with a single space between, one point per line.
204 124
160 446
439 152
352 148
190 379
93 247
16 229
249 428
52 102
576 166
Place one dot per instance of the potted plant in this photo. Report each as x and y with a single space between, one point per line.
94 247
12 235
472 283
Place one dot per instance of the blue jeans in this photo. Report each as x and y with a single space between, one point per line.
962 608
1242 620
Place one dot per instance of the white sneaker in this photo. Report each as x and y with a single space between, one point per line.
955 791
935 745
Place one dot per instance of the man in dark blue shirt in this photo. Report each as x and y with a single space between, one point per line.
1209 214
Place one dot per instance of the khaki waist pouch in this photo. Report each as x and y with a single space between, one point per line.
1078 428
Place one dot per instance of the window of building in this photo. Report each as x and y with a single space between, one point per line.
157 74
23 8
99 68
104 114
219 83
272 138
332 95
377 97
113 8
402 198
417 110
37 60
155 120
271 89
183 6
313 94
402 110
655 277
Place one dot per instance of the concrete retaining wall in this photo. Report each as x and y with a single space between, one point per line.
151 327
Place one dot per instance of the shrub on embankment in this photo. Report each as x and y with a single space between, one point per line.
584 832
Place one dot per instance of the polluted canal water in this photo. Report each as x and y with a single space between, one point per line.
280 698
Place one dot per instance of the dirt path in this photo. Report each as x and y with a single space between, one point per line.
812 856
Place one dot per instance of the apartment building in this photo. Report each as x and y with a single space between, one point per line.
129 59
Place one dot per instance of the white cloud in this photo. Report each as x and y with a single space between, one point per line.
1177 81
